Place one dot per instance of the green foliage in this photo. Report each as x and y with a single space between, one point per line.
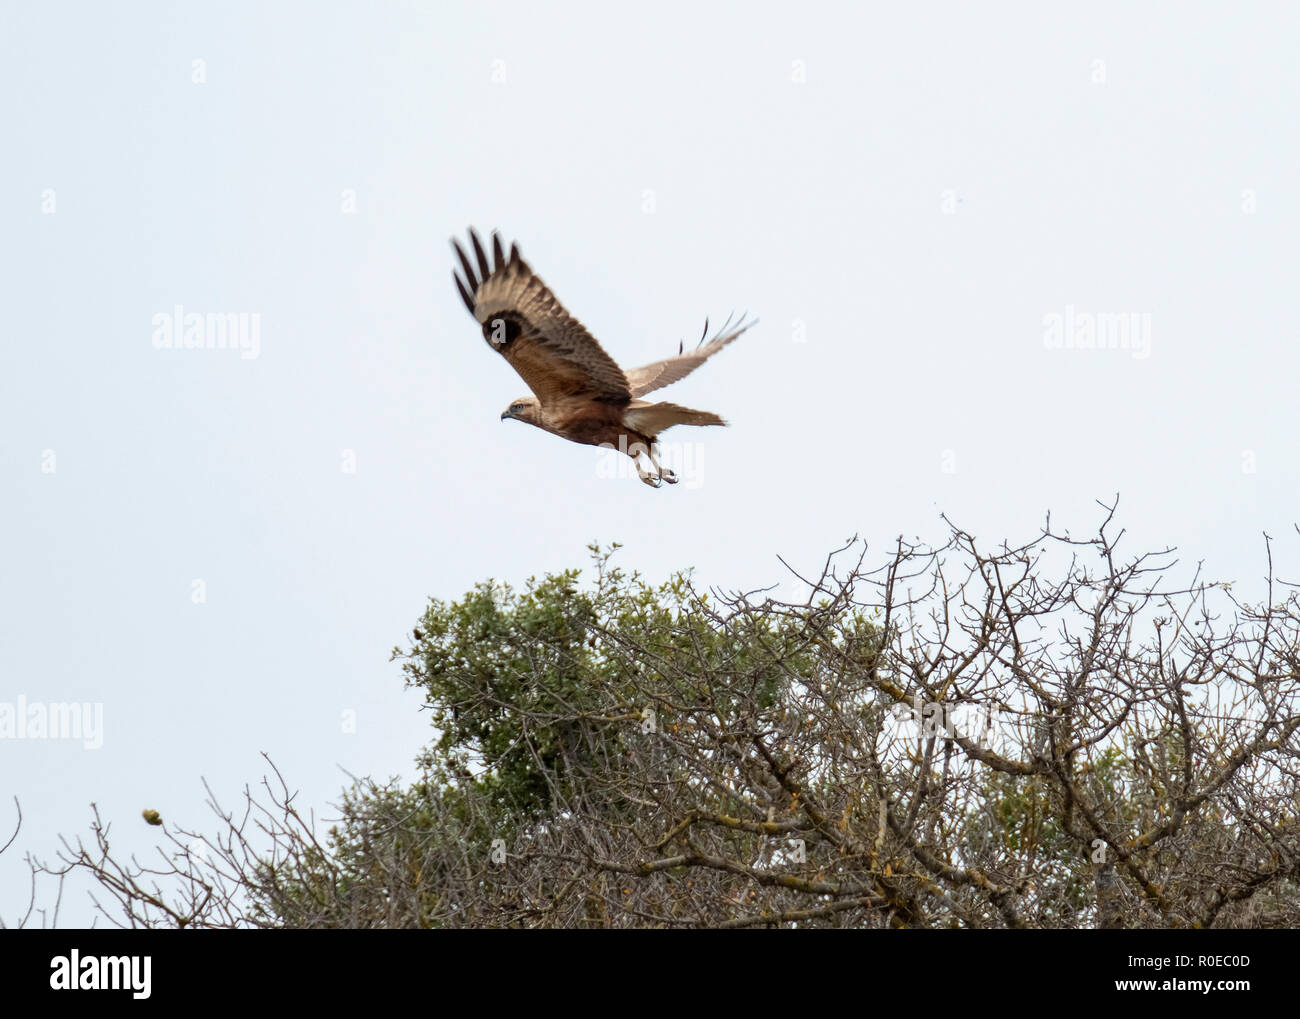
525 687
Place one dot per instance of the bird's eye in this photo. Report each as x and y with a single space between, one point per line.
518 408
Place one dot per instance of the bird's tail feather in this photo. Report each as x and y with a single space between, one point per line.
653 418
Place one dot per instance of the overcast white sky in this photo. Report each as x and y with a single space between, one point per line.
905 195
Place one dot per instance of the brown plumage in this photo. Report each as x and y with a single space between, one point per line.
580 393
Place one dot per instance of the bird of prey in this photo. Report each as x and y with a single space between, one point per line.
579 393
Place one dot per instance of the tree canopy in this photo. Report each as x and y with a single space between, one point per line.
1037 735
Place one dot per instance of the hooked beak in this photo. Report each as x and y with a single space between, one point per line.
505 415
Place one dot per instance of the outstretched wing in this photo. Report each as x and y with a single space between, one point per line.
523 321
650 377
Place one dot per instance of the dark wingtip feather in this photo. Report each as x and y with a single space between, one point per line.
479 254
498 258
470 278
464 293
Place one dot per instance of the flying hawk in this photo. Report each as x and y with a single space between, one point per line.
579 393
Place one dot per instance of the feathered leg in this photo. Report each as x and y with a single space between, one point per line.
664 472
651 475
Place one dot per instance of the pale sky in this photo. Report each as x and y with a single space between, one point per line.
220 550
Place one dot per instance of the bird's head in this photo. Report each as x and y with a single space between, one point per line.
526 408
